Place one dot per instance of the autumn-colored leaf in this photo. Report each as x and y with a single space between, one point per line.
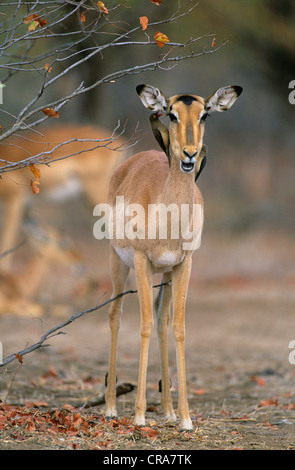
144 21
30 426
48 68
200 391
269 402
260 381
102 7
161 39
51 373
150 432
35 186
36 404
290 406
34 21
30 18
36 172
77 419
157 2
213 44
51 112
33 25
83 17
68 407
271 426
19 358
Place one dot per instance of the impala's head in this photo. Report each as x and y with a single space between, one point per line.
187 115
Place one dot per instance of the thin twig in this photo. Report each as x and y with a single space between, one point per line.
52 332
12 250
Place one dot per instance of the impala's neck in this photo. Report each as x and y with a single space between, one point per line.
180 186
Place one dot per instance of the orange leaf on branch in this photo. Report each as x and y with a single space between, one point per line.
144 22
30 18
157 2
83 17
34 21
35 184
161 39
213 44
51 112
33 25
36 172
19 358
102 7
48 68
35 187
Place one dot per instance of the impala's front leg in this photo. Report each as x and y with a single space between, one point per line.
163 306
119 273
144 285
180 280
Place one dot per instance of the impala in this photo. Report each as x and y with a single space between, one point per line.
150 178
88 170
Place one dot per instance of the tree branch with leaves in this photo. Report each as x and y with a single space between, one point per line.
56 39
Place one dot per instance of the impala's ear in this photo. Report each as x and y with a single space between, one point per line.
152 98
223 98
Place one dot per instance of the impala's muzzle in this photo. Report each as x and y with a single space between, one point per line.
187 167
188 164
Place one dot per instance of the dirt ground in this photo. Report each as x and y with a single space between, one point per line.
241 384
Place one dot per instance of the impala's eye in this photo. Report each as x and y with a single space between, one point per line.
204 117
173 117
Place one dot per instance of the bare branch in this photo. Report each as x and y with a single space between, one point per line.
12 250
104 34
47 156
53 331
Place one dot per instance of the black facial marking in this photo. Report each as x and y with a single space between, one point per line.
172 117
187 99
139 88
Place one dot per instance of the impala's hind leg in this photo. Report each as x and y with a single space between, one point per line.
143 273
180 280
163 308
119 273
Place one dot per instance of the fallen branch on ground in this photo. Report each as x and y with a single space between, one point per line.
121 389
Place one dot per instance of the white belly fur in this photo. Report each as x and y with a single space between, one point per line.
168 258
126 255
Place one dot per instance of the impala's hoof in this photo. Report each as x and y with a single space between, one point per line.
139 421
186 426
110 414
170 417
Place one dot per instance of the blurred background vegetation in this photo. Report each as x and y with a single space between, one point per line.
248 183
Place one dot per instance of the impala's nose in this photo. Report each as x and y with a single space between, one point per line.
187 165
190 154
